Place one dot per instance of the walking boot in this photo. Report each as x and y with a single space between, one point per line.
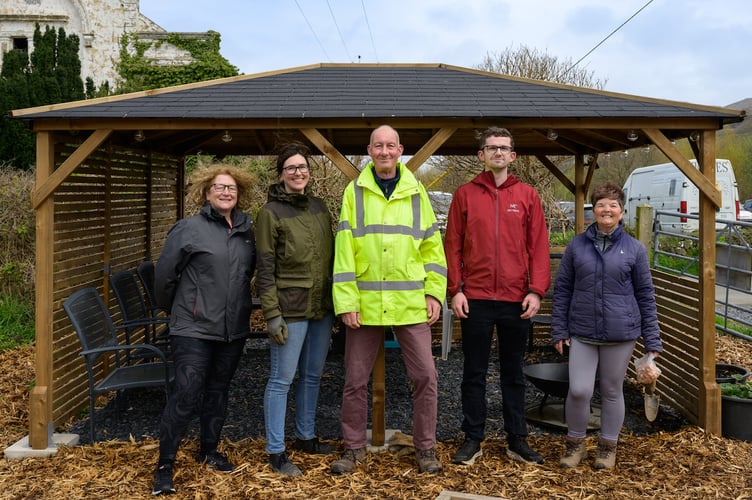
606 456
348 460
281 465
574 453
427 461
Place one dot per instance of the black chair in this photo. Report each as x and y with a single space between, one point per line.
135 315
97 334
145 272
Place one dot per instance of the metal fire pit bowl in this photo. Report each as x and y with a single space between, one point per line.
551 378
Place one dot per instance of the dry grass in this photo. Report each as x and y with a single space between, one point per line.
684 464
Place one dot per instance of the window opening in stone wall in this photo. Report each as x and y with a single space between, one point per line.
21 44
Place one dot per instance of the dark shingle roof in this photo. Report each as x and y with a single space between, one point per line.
370 91
345 101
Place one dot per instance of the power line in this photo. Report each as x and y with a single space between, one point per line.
342 39
609 36
365 15
312 31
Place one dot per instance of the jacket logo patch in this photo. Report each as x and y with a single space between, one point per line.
513 207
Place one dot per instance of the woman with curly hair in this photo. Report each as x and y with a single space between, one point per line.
203 277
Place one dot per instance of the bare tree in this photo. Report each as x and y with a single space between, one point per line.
447 173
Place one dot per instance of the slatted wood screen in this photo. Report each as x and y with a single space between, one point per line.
678 301
112 213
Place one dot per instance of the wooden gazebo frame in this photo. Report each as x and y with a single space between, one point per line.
110 175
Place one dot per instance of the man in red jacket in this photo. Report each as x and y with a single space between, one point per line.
498 271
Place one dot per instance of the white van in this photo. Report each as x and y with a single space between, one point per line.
666 188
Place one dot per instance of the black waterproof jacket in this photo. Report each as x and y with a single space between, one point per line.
203 276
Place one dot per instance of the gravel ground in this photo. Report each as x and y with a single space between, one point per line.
136 415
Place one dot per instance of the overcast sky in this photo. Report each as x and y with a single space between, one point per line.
685 50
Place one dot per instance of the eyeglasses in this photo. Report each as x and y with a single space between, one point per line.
220 188
493 149
290 169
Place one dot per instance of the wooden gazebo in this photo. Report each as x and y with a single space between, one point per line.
110 177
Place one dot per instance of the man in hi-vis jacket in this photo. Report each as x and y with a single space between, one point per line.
389 270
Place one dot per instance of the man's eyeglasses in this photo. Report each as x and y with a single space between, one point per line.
290 169
220 188
493 149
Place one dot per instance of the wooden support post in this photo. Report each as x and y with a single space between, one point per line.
39 403
378 430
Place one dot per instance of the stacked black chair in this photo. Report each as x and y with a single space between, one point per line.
98 336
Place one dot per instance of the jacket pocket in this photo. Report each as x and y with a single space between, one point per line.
294 295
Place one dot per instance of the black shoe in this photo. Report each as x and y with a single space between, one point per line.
216 461
163 481
312 446
519 450
281 465
468 452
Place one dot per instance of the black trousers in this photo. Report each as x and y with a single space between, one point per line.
477 334
203 371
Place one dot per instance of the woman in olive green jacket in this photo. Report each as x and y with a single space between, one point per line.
295 249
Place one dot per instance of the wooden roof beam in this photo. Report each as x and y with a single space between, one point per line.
429 148
69 165
710 190
331 152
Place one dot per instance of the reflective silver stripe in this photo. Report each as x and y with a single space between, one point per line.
360 216
441 270
343 277
344 225
416 215
431 231
374 286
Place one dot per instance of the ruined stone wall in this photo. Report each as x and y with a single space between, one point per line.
99 24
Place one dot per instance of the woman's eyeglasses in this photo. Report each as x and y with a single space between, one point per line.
290 169
220 188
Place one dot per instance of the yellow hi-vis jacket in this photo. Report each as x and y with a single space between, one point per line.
388 253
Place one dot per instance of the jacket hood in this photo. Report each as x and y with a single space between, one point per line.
407 186
593 228
277 193
487 181
239 219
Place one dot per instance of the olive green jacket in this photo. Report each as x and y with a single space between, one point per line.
295 252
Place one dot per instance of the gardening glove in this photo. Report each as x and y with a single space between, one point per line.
277 330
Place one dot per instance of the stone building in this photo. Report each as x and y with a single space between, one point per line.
99 24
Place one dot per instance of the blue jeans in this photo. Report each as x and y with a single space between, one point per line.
305 351
477 334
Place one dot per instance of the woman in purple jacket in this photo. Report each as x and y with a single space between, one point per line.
603 302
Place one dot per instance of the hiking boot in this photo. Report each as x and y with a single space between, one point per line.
606 456
519 450
348 460
467 453
312 446
281 465
574 453
163 481
427 461
216 461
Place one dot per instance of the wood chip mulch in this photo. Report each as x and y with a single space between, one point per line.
685 464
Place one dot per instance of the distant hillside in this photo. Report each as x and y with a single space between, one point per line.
745 127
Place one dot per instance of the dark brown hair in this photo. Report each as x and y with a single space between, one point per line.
288 150
494 132
608 190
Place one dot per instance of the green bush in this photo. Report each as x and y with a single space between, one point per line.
17 233
16 322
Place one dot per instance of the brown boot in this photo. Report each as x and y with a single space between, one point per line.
348 460
606 456
574 453
427 461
